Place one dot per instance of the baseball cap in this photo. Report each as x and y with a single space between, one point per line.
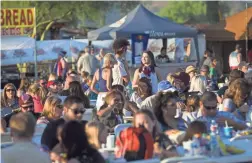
243 63
237 46
62 53
204 68
25 100
165 86
52 82
190 69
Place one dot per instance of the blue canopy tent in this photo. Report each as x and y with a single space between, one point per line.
141 20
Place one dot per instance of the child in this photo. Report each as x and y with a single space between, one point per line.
86 83
213 75
196 128
192 107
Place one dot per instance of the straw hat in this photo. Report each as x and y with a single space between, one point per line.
190 69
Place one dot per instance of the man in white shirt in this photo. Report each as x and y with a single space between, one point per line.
88 62
120 71
22 127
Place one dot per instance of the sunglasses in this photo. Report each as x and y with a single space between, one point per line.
28 107
210 107
10 90
60 106
78 111
43 83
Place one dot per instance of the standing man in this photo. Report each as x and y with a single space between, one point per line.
207 60
235 57
100 56
120 71
88 62
61 66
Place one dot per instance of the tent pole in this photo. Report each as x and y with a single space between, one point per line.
247 31
197 50
35 52
165 44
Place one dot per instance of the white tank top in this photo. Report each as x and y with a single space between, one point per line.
233 59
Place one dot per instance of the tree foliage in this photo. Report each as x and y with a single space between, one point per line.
181 11
76 12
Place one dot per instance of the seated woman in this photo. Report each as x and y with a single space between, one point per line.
198 84
9 99
52 110
180 80
149 70
143 91
76 90
97 134
192 108
163 146
235 97
75 143
111 113
130 107
104 75
166 110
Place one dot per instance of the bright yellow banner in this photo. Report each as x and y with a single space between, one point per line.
17 21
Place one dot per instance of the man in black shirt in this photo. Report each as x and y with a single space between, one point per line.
73 110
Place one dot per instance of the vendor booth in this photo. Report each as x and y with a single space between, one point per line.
143 22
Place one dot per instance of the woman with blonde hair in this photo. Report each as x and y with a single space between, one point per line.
9 97
198 84
52 110
23 87
97 133
38 94
111 113
104 75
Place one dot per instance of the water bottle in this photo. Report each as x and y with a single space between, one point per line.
195 146
226 80
214 146
110 141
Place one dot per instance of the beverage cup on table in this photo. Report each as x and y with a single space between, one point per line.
228 132
110 141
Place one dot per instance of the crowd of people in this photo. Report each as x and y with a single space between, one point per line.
185 103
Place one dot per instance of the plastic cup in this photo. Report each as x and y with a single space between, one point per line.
228 132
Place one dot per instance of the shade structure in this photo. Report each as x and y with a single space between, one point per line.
142 21
238 23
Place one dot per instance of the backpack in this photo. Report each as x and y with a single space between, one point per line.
134 144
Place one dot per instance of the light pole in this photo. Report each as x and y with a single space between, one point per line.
247 30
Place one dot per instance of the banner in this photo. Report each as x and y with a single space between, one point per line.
19 49
17 21
139 44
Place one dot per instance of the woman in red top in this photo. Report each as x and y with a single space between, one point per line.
38 94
